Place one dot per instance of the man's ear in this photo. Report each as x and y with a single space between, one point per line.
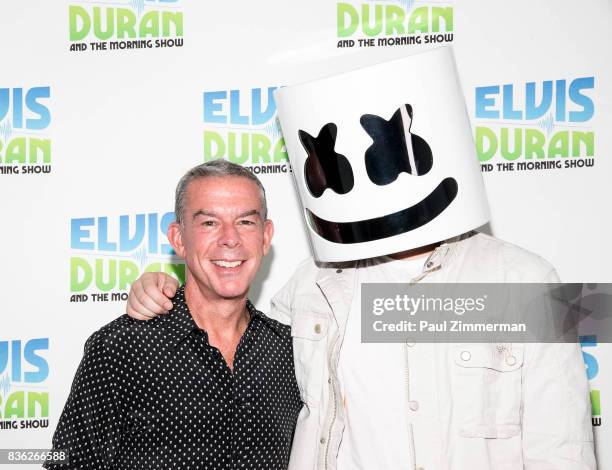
267 236
175 237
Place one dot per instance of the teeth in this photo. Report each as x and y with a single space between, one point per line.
227 264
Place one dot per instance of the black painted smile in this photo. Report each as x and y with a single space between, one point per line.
389 225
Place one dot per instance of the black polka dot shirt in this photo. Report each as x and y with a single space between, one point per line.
155 395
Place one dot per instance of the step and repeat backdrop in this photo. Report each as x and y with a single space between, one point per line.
105 104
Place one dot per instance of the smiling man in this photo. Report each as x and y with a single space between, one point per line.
211 386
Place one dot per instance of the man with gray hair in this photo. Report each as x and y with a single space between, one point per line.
212 385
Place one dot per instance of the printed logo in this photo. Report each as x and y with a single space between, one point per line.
393 23
25 147
24 399
110 253
592 370
106 25
536 125
241 126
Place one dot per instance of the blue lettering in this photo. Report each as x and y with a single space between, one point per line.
235 116
588 108
212 107
35 360
103 243
259 116
533 111
41 110
509 111
78 234
125 242
483 102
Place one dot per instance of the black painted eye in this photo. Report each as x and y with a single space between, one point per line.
324 168
394 149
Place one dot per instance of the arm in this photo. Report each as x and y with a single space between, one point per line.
89 428
557 429
150 295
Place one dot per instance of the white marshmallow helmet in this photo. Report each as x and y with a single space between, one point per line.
383 157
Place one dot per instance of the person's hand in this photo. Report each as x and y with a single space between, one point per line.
150 295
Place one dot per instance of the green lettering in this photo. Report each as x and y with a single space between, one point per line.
232 154
586 138
365 19
214 146
42 400
80 274
128 273
16 151
486 143
596 402
445 13
174 19
149 25
394 20
112 274
15 405
280 151
344 10
110 23
80 23
504 149
38 148
559 145
260 148
534 144
419 20
126 23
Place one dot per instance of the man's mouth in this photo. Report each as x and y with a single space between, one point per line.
389 225
222 263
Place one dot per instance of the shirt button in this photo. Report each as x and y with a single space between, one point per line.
317 328
429 264
329 380
322 440
465 356
410 342
413 405
511 360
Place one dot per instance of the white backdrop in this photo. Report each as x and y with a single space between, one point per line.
93 142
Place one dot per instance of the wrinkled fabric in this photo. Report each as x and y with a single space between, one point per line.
533 413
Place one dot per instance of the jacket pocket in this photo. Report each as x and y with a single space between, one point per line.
487 389
309 330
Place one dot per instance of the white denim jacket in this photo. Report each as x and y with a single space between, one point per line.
542 420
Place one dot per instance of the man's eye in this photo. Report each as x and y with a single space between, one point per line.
246 222
208 223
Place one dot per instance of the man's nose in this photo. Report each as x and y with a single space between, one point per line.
229 236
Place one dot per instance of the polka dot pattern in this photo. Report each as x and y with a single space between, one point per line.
156 395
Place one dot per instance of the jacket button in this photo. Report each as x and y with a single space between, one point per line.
317 328
410 342
511 360
322 440
338 271
429 264
465 356
413 405
329 381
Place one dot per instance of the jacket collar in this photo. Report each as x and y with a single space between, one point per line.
337 281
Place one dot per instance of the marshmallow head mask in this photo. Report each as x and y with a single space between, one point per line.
383 157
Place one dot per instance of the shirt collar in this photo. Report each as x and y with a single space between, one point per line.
180 324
